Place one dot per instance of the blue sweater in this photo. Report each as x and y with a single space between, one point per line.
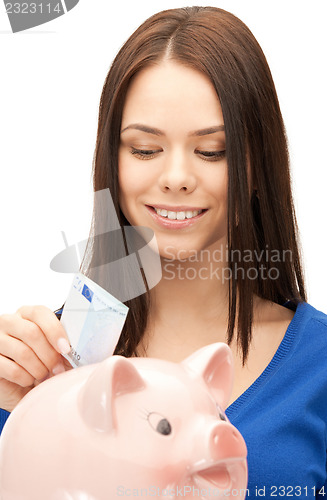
283 414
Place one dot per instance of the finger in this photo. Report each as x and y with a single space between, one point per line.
31 334
67 364
12 372
11 394
23 355
49 324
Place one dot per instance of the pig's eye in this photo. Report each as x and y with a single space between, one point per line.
159 423
220 413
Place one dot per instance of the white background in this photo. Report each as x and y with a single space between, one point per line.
50 85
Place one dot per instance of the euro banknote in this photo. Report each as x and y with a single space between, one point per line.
93 320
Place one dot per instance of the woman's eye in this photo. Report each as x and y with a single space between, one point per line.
144 154
147 154
211 155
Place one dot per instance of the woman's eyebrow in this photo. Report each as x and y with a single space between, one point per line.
144 128
156 131
208 131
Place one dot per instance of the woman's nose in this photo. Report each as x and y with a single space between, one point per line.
177 174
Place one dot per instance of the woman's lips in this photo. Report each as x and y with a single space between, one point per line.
173 223
179 208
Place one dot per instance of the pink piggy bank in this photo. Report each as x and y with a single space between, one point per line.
127 427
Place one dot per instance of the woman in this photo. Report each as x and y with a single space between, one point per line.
191 143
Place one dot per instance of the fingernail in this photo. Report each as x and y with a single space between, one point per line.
63 346
59 368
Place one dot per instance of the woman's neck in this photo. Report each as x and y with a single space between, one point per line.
189 306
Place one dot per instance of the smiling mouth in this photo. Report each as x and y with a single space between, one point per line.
177 215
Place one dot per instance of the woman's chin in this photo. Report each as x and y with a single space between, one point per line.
177 253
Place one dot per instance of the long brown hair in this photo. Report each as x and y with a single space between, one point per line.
261 222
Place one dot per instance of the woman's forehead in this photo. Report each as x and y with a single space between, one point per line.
171 91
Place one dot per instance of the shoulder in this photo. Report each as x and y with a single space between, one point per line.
311 319
307 336
300 316
299 326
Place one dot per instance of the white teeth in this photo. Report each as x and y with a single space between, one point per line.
177 215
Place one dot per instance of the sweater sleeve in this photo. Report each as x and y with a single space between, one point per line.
3 418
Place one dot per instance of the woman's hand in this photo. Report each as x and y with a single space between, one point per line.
31 341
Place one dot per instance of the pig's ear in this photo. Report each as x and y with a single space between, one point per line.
113 377
214 363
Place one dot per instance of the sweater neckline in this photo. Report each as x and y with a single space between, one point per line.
282 350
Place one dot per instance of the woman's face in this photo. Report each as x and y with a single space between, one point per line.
172 160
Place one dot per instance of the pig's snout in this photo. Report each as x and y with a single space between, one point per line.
223 461
226 442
